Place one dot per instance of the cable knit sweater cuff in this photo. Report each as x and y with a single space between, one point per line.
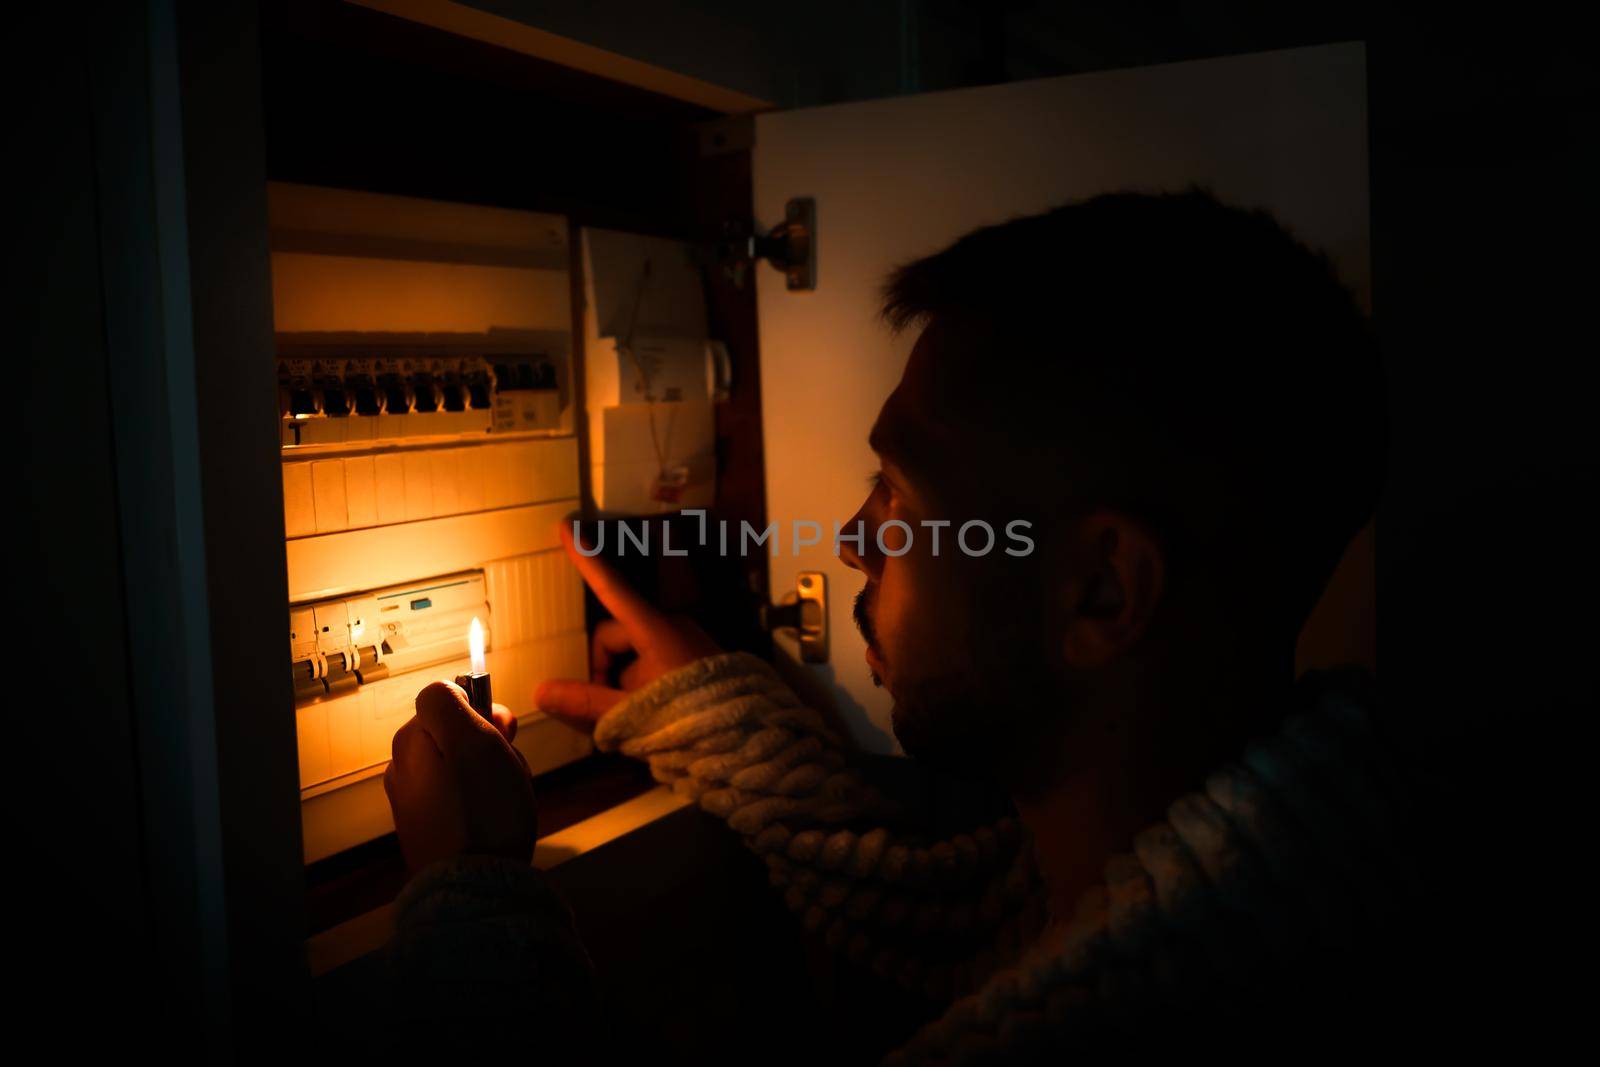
476 934
713 683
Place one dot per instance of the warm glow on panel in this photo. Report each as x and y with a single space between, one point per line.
347 293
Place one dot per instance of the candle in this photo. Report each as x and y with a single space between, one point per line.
479 694
480 664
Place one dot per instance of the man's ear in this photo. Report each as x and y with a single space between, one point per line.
1116 590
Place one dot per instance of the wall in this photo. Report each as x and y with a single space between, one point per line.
72 775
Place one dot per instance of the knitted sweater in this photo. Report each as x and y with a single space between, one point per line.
1281 858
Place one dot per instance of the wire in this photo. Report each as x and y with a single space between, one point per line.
644 378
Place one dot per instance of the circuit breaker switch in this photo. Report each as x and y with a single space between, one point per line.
307 685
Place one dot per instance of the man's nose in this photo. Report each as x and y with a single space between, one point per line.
852 551
850 556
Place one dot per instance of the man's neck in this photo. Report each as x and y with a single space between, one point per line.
1127 756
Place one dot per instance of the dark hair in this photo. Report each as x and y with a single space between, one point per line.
1185 361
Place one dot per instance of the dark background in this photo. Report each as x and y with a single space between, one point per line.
1481 262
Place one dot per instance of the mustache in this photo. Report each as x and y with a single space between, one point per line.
859 612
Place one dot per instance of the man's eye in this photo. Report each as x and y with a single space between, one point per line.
882 491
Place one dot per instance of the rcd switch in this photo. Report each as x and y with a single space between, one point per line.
339 644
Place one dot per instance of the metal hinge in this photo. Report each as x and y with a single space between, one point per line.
805 611
790 246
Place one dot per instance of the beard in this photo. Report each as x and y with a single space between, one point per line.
978 686
988 714
861 612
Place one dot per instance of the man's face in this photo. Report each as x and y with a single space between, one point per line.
952 637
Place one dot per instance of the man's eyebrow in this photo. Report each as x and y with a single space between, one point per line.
889 438
880 440
898 441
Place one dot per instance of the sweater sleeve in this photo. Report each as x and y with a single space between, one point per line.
479 941
930 910
1265 904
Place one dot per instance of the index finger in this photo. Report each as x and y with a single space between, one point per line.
444 712
619 598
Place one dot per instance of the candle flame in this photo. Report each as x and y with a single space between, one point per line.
475 642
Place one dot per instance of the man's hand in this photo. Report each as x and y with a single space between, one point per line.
660 642
456 785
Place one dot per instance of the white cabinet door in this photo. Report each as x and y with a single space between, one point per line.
896 179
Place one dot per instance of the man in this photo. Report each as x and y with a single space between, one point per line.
1185 405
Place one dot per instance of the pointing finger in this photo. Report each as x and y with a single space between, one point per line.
619 598
580 703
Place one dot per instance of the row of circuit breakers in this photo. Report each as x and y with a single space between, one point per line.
337 645
499 393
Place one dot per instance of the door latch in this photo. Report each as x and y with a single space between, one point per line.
804 611
790 246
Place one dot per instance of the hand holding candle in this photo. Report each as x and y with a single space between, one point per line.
457 785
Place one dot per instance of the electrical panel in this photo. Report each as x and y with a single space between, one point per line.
427 432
